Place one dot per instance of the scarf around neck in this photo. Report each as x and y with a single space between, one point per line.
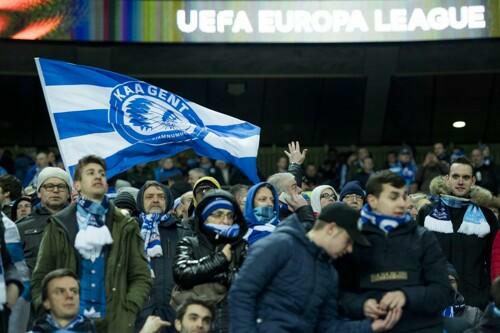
93 233
226 231
385 223
151 234
473 223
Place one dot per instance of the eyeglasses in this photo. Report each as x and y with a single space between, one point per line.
221 215
52 187
328 196
353 197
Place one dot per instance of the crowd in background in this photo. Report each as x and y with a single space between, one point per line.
210 243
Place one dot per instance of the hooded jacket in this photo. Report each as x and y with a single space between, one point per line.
316 197
171 232
199 259
288 285
256 229
469 254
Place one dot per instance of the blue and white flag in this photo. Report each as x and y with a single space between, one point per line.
127 121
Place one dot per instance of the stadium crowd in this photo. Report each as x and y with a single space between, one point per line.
191 245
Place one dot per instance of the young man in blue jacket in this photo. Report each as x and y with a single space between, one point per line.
287 283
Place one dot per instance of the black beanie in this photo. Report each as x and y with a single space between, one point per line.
125 200
352 187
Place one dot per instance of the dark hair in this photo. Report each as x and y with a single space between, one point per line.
87 160
11 184
379 178
56 274
181 310
495 291
462 160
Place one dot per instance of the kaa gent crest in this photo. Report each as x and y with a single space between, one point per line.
143 113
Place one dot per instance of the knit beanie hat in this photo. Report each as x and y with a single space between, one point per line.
218 203
352 187
53 172
125 200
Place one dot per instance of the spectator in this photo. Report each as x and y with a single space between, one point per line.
275 291
411 276
161 232
182 204
206 263
103 245
427 171
261 212
484 174
53 189
405 167
21 208
282 164
391 160
194 315
127 203
367 168
61 301
311 177
41 162
353 194
139 174
440 152
239 192
10 191
11 285
286 185
195 174
459 316
322 196
416 202
465 231
166 169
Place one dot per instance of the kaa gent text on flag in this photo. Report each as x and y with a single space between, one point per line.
127 121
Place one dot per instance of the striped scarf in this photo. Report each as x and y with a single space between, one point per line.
473 223
385 223
151 234
93 234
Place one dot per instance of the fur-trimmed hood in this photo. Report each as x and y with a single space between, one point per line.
478 195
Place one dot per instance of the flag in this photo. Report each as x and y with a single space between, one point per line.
127 121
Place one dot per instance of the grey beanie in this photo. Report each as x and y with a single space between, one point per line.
52 172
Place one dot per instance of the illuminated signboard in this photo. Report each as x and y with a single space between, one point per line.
249 21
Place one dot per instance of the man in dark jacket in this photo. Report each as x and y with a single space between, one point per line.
161 231
53 190
403 269
287 283
465 232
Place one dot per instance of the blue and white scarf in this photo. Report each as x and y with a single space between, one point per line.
78 320
385 223
227 231
266 219
151 234
473 223
93 233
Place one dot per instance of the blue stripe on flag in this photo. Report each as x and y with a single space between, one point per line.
243 130
78 123
63 73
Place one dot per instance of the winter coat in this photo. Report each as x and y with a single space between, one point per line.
199 259
287 284
469 254
171 232
408 259
489 322
31 230
127 275
495 257
43 325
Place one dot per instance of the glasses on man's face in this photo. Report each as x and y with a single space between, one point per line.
353 197
52 187
222 215
328 196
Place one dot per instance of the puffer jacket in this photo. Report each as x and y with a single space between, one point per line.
199 259
288 285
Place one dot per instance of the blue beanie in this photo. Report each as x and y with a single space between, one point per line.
217 203
352 187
